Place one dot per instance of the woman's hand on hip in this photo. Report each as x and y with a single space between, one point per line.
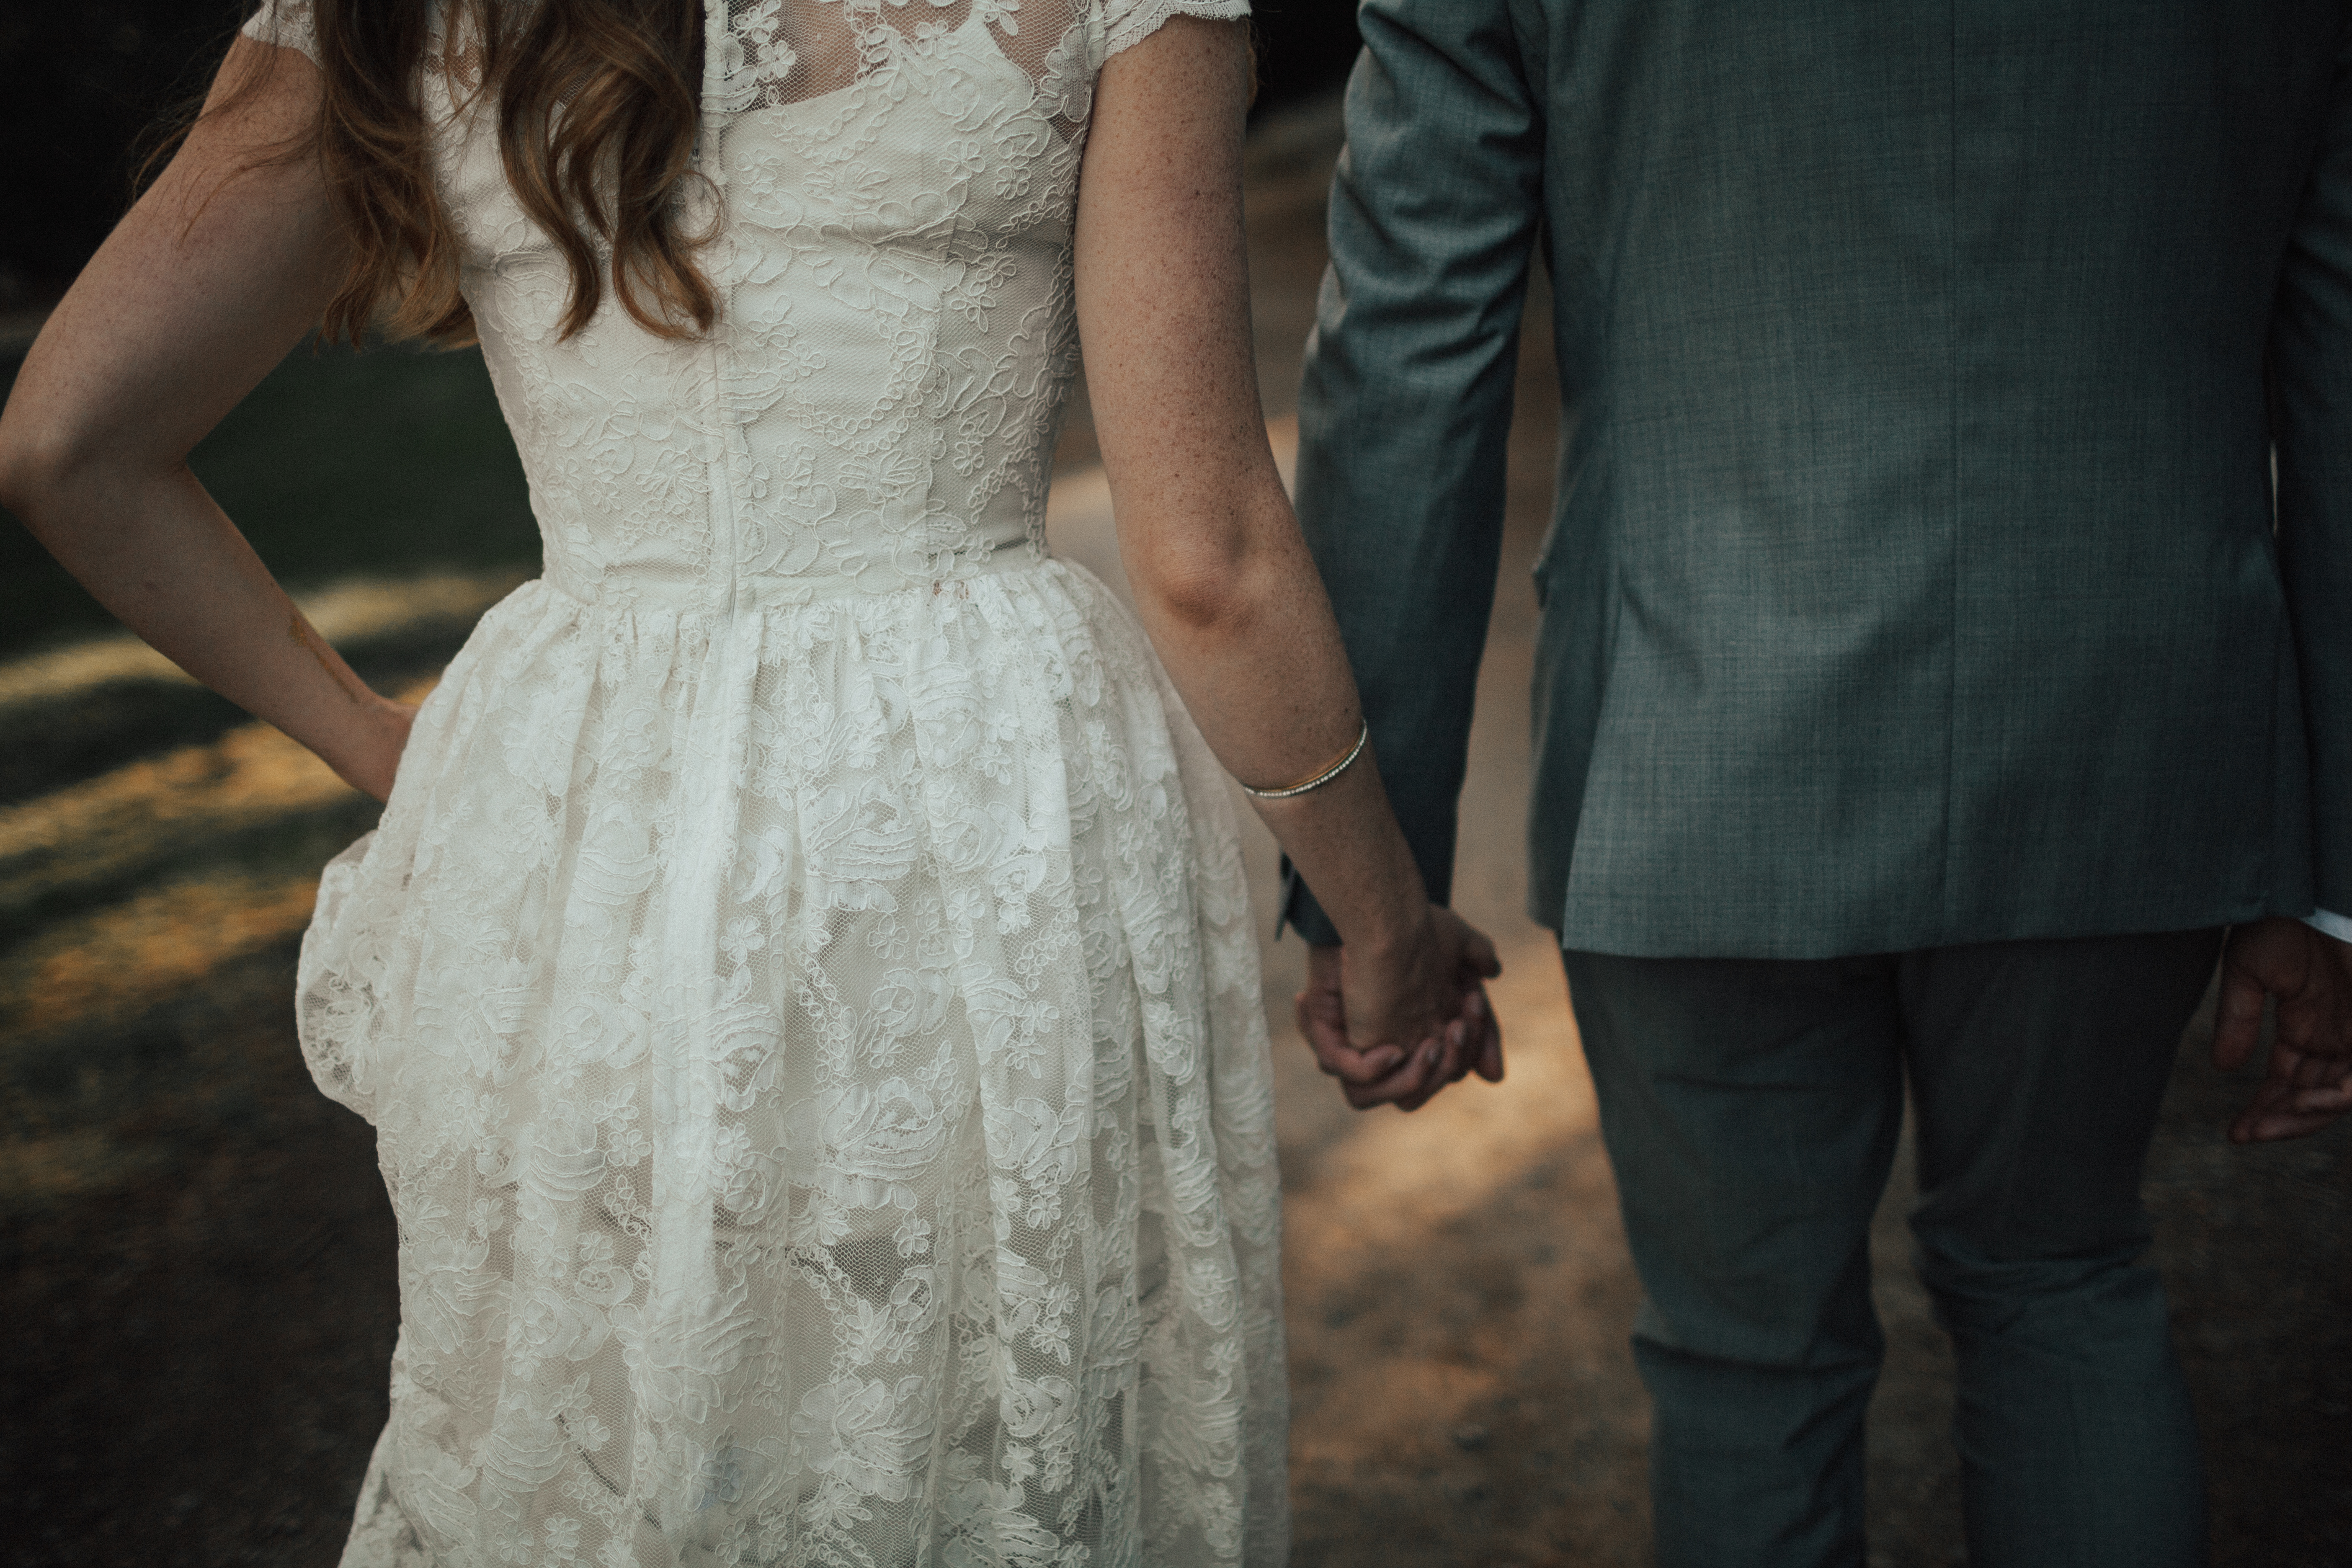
374 757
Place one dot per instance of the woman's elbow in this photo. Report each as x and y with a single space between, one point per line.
47 457
1216 565
36 461
1204 583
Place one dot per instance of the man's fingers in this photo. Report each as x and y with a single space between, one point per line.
2311 1072
1360 1067
2294 1023
1490 1053
1423 1075
2282 1110
2330 1099
1431 1081
2269 1100
2326 1091
1404 1080
1455 1065
1490 1060
2309 975
2270 1127
1337 1055
1482 1036
1319 1025
1320 1022
2239 1022
1409 1081
2314 1023
1354 1066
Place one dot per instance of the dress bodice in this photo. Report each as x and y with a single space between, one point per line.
877 402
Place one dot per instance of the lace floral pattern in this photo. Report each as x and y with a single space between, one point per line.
803 984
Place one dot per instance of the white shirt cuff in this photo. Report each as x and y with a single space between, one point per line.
2329 923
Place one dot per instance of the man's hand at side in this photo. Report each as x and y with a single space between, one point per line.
2308 971
2309 975
2300 1094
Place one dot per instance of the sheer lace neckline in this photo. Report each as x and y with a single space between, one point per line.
794 52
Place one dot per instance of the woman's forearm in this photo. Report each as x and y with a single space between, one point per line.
158 553
1223 579
220 269
1248 638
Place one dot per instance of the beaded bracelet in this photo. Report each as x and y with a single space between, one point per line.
1319 780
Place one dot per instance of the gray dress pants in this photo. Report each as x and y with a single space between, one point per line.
1751 1108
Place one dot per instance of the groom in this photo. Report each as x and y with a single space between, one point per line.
1931 668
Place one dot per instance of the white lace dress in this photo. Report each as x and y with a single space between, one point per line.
803 984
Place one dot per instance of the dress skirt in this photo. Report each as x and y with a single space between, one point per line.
818 1065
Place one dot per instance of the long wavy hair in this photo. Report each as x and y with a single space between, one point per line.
597 104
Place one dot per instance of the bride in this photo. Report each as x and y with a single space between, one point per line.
802 981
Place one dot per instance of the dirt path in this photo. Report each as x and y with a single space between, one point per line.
198 1257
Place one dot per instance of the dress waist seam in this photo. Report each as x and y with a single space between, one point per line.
620 593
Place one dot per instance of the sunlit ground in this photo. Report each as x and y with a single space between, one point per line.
199 1259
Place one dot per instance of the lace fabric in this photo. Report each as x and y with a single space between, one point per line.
802 983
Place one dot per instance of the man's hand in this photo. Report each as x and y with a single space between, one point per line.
2300 1094
2308 971
2309 1080
1406 1075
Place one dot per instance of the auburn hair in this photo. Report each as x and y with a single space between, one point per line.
597 102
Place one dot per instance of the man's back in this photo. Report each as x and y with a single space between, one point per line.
1922 681
1917 491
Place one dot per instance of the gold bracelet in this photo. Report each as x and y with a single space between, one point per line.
1347 760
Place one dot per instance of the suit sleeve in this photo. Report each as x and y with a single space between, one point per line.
1405 408
2311 369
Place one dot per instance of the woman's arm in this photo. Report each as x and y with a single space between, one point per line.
222 266
1223 579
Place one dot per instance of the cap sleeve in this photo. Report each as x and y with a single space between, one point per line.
1129 21
287 24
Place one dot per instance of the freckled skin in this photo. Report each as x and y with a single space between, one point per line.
312 644
1222 578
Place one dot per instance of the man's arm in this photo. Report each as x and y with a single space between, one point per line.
2305 966
2311 356
1405 408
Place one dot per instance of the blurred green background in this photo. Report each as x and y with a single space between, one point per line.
339 463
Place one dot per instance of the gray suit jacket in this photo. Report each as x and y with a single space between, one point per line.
1916 573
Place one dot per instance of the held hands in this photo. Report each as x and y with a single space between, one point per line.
1397 1026
2309 1080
